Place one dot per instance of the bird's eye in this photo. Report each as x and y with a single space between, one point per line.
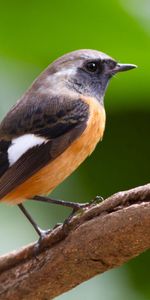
92 67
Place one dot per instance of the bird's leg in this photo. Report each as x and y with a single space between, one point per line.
75 206
41 233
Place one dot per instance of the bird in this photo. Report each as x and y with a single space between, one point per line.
54 127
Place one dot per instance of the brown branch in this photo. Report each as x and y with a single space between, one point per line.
103 237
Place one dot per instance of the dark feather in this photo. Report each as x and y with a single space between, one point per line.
61 128
34 159
44 116
4 163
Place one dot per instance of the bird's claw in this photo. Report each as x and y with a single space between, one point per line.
96 200
43 234
79 207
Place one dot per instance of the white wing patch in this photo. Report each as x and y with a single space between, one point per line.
22 144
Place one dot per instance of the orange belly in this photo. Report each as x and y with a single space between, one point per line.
46 179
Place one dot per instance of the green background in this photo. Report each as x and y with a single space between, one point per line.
32 34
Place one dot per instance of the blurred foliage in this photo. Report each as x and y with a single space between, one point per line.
32 34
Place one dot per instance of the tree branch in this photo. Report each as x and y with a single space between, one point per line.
104 236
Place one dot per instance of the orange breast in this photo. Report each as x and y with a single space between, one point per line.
46 179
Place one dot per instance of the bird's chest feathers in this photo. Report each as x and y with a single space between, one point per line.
87 142
72 157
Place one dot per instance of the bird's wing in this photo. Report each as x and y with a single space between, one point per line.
33 134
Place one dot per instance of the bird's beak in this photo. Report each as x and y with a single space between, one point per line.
123 67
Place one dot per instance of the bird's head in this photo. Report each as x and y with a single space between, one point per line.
85 72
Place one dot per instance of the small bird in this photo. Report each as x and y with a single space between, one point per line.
54 127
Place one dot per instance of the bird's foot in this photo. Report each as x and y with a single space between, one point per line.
96 200
42 236
79 209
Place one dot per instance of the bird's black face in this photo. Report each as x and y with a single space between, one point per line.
92 77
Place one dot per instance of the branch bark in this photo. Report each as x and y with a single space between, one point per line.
102 237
